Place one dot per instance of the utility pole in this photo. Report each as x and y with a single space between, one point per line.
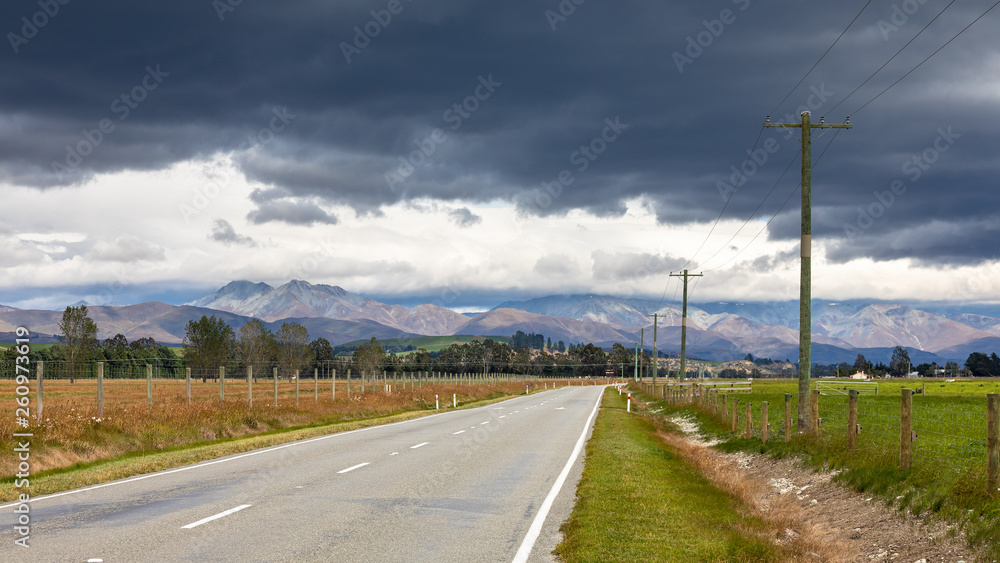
636 375
656 364
805 276
642 347
684 321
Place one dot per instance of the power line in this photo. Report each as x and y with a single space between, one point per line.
776 213
761 204
828 49
928 57
728 199
912 39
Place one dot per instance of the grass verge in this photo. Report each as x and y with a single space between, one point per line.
638 500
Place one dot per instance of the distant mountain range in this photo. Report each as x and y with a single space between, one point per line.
717 330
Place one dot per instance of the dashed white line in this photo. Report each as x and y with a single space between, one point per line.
421 444
353 467
456 433
487 422
216 517
503 416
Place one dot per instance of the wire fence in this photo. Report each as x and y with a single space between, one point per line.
129 383
949 435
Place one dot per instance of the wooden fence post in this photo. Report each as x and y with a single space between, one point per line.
348 383
992 440
149 385
333 385
906 429
725 406
296 387
763 422
815 412
187 382
274 372
852 419
100 389
40 372
222 382
788 417
315 385
736 403
250 386
749 421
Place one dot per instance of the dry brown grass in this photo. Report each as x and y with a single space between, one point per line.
800 538
71 431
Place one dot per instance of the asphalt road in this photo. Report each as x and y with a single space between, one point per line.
468 485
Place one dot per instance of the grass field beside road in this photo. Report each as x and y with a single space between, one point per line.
638 500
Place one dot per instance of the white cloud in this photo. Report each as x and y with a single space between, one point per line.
409 248
127 248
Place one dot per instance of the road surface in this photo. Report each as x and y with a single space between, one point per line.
467 485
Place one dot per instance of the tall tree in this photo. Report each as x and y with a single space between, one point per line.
979 364
255 346
322 351
860 364
79 337
292 342
208 343
899 365
369 357
621 358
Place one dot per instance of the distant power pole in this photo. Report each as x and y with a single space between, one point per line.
636 375
656 364
684 321
642 347
805 278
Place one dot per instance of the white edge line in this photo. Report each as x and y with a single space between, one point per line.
235 457
536 525
353 467
216 517
421 444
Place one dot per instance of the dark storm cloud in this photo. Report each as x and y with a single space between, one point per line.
223 231
477 101
280 205
464 218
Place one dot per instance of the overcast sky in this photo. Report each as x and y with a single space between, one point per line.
466 152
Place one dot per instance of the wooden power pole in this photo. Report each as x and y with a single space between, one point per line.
805 276
656 364
684 322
